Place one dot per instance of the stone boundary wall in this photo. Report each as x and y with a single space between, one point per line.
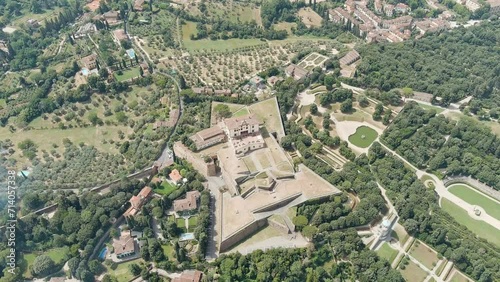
241 234
183 152
279 226
475 183
281 203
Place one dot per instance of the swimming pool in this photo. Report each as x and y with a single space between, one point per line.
85 71
186 236
102 254
130 53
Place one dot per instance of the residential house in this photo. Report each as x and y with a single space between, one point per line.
273 80
402 8
472 5
111 17
189 276
341 16
223 92
398 23
175 176
138 5
145 69
89 62
244 125
125 245
208 137
296 72
431 25
257 82
119 35
350 58
389 10
367 16
136 202
189 203
203 90
378 6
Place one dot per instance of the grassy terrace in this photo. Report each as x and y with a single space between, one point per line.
122 272
387 252
165 189
413 273
473 197
57 255
424 255
128 74
479 227
363 137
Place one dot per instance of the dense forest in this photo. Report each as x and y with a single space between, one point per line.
421 216
439 144
450 65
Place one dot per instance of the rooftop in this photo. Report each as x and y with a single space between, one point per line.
175 175
237 122
189 276
124 244
189 203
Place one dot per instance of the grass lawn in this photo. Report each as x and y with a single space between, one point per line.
193 221
165 188
243 111
387 252
363 137
429 107
474 197
424 255
479 227
459 277
57 255
181 224
128 74
413 273
122 273
168 250
401 234
268 113
285 26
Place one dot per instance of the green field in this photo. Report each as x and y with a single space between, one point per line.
165 189
181 224
413 273
122 272
441 267
459 277
429 107
168 250
128 74
363 137
387 252
57 255
473 197
193 221
241 112
220 45
479 227
424 255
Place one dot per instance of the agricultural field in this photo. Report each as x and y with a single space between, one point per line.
233 11
363 137
474 197
479 227
387 252
424 254
309 17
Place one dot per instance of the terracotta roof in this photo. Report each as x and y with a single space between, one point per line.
237 122
120 35
189 203
125 244
175 175
189 276
145 192
89 60
110 14
296 71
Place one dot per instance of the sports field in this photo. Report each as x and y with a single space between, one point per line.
474 197
363 137
479 227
